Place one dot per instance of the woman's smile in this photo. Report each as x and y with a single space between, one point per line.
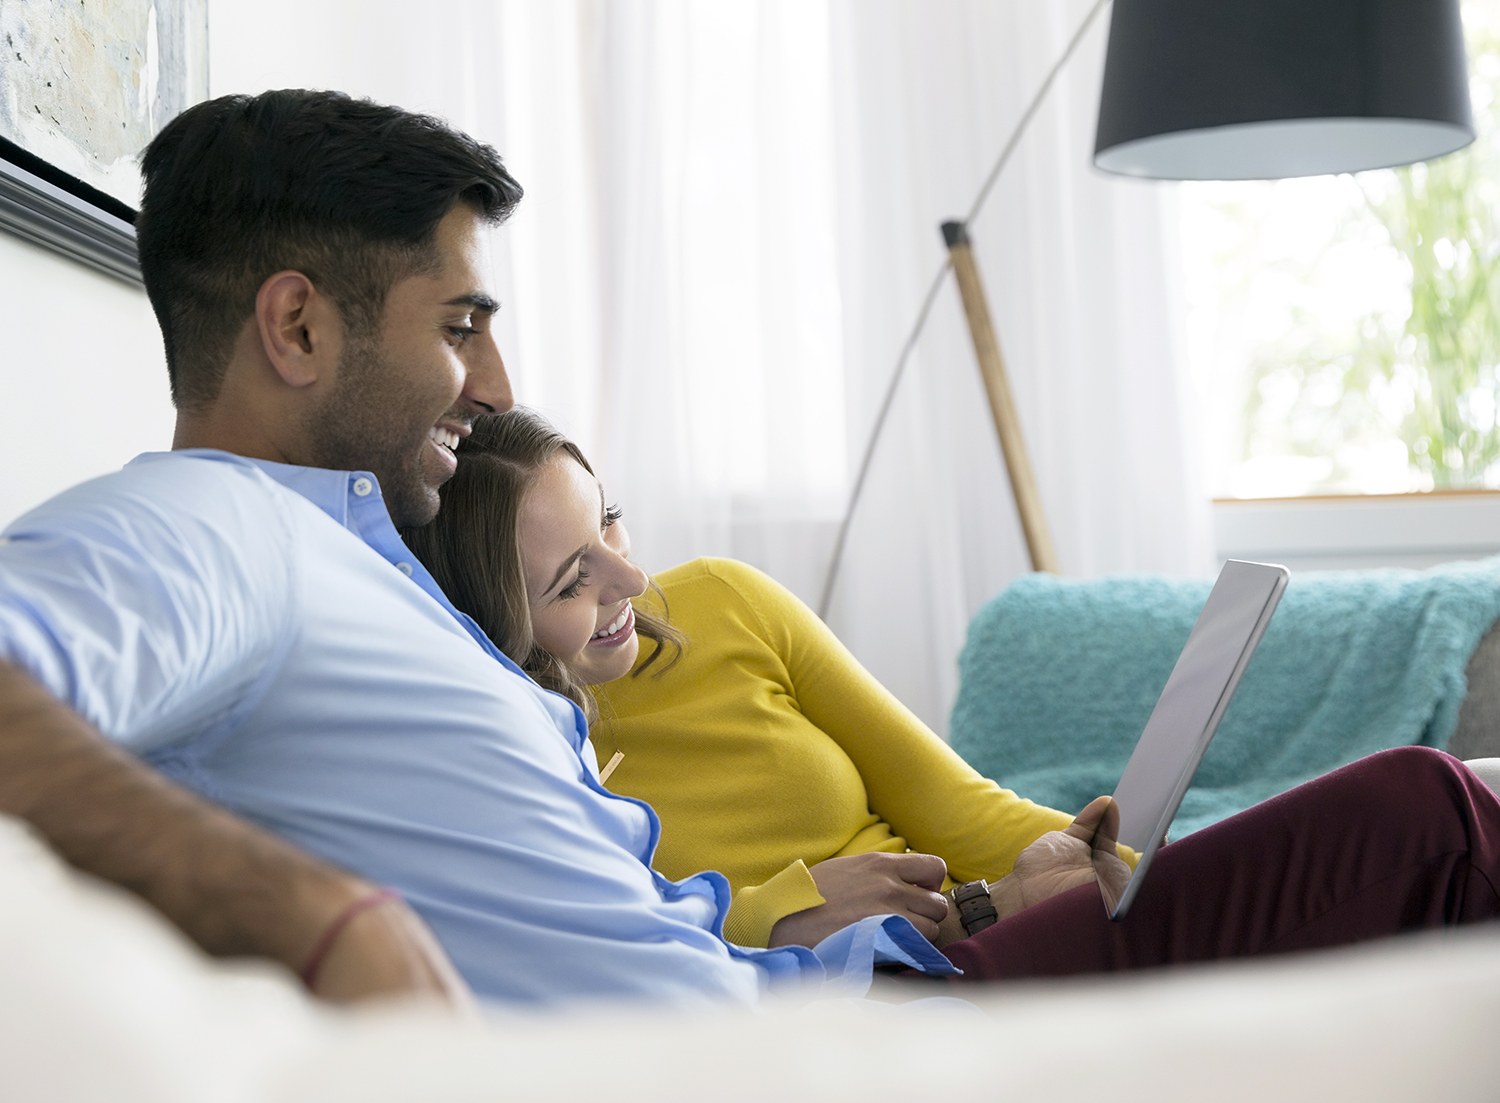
616 631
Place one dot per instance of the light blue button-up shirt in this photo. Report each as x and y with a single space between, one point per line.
260 633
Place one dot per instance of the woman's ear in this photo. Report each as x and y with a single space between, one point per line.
301 330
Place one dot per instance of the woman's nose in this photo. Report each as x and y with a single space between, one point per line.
629 581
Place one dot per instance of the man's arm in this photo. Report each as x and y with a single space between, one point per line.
233 888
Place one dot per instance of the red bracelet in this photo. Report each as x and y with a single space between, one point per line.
371 899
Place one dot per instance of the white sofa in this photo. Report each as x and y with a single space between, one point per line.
102 1000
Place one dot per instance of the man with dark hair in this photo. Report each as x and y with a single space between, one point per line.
316 264
226 649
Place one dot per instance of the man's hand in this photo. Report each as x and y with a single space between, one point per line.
1082 853
387 950
862 885
233 888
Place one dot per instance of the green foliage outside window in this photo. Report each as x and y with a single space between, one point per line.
1429 376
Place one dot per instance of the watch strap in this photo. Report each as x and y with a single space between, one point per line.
975 911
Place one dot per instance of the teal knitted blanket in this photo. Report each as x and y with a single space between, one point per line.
1058 678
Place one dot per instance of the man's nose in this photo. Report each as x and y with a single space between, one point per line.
488 383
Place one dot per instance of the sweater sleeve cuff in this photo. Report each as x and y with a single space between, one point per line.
756 908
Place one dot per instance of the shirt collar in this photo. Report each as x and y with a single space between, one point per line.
331 491
354 501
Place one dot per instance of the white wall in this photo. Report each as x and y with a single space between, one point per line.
83 382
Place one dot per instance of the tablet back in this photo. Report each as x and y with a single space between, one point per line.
1189 710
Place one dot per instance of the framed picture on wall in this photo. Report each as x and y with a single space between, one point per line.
84 86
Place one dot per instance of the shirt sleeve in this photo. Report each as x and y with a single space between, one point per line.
915 781
151 601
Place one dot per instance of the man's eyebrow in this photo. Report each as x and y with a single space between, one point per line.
567 565
477 300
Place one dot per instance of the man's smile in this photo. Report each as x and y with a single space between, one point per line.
446 441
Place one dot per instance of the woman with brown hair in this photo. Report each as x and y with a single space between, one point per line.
474 555
769 753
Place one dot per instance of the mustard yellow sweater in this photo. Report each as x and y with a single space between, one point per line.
767 748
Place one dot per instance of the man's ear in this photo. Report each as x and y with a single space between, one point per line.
301 330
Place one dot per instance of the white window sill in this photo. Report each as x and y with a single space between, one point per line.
1336 533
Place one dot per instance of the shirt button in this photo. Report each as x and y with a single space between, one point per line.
363 486
404 568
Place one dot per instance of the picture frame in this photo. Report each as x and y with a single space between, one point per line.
50 208
83 90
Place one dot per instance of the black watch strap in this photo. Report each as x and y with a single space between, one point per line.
975 911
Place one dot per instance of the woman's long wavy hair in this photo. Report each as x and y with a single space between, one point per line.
473 546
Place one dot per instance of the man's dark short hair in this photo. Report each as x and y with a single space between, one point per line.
345 191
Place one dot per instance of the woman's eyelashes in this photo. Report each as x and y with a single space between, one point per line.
610 516
572 589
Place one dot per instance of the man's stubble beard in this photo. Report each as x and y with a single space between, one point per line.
363 425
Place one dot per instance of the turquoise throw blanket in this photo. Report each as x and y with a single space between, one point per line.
1058 678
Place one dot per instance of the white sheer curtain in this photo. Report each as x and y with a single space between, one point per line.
731 217
1079 270
676 266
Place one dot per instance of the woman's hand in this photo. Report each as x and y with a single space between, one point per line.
1083 853
862 885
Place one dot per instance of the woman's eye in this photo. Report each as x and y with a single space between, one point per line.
611 515
572 589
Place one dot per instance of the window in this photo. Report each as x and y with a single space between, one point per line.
1344 331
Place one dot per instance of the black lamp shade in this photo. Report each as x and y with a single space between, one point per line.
1259 89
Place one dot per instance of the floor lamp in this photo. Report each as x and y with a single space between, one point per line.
1225 90
1254 89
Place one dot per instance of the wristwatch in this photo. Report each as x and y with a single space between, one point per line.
975 911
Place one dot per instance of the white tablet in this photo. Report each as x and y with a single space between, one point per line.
1189 710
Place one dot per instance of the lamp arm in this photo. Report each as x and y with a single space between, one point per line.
921 321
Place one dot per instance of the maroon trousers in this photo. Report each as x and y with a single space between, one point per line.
1404 839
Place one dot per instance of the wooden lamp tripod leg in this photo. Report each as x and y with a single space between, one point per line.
1002 407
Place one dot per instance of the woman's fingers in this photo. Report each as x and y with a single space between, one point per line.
859 885
924 870
930 905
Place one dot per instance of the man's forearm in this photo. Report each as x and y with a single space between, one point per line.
232 887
